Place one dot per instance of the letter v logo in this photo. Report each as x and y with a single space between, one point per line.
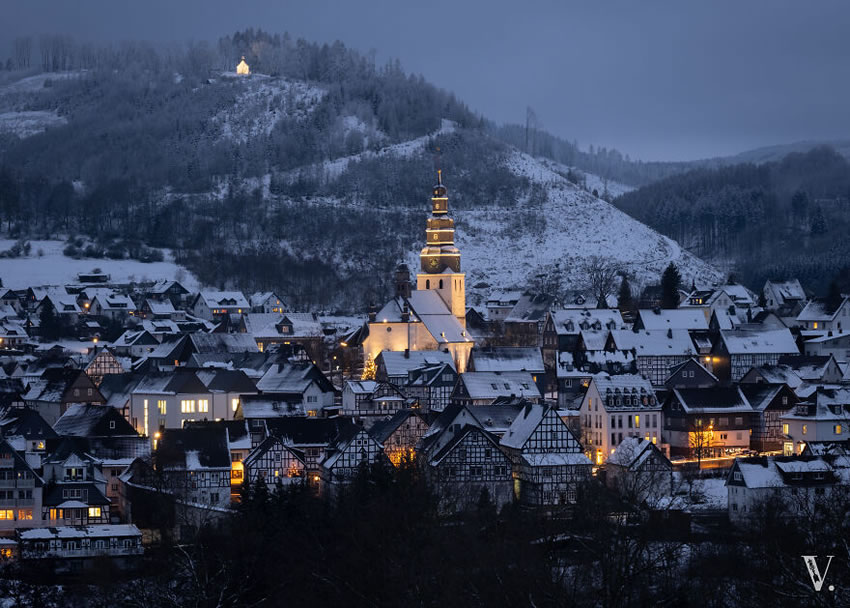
814 571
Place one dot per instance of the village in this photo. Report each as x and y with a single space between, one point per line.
118 396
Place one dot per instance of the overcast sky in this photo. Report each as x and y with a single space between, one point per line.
658 80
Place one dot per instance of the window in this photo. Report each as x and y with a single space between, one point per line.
162 406
187 406
737 475
7 514
312 399
203 405
24 514
94 511
785 428
637 421
837 429
629 421
111 424
784 399
312 413
805 429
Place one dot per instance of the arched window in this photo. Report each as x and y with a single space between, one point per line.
427 284
441 283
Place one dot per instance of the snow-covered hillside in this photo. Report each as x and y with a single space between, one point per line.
54 268
262 102
577 227
16 116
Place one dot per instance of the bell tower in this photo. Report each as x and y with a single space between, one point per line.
440 259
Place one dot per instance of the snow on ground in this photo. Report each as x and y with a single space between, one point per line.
334 168
264 102
24 124
34 84
498 249
591 182
53 268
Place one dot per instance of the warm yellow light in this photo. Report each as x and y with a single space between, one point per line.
157 435
315 478
94 340
86 305
343 344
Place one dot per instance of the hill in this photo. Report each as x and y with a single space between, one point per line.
310 176
775 220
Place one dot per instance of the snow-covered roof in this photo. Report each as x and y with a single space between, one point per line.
114 302
763 341
490 385
720 399
632 452
228 299
677 318
654 343
573 320
160 307
626 384
556 459
399 363
69 532
816 310
508 359
787 290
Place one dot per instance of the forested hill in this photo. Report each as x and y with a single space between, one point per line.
309 177
773 220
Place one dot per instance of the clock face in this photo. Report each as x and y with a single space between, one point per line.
433 263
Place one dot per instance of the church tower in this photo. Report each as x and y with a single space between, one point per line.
440 259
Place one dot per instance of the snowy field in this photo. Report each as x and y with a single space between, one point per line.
28 123
55 269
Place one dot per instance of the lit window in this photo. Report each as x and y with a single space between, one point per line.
837 429
94 511
785 428
203 405
7 514
187 406
637 422
234 403
805 429
162 406
815 325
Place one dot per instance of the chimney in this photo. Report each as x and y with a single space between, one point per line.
405 313
407 353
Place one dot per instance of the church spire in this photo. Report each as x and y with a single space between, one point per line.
440 252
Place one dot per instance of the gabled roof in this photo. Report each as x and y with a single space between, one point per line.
86 420
530 308
458 437
754 342
507 359
399 363
295 377
490 385
713 399
24 422
193 448
573 320
818 310
267 444
237 431
220 299
760 395
634 451
526 422
226 380
677 318
309 431
654 343
382 429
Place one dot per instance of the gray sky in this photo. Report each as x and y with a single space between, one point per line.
659 80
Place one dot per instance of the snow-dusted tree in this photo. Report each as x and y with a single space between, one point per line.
601 274
671 280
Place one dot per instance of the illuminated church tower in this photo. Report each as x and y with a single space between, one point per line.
440 259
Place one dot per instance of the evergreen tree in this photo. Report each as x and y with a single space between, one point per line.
50 326
671 280
818 222
834 297
625 300
369 369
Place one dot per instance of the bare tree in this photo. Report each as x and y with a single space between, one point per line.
602 274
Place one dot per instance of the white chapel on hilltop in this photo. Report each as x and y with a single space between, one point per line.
242 68
433 316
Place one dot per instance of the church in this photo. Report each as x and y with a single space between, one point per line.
433 316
